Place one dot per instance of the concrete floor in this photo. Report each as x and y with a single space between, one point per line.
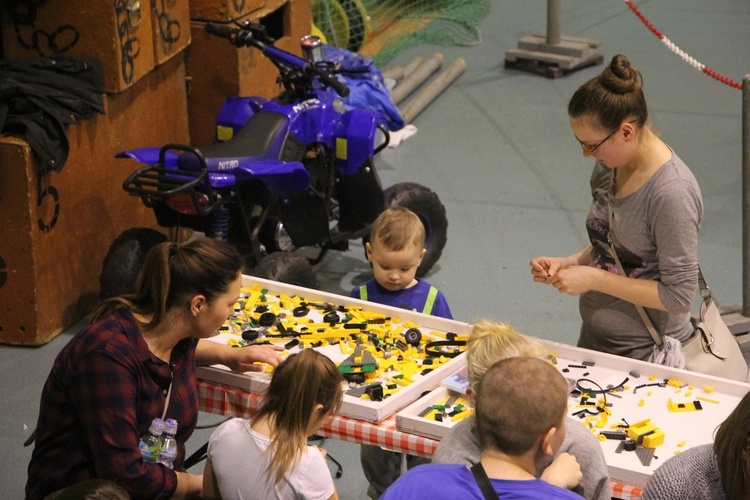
497 149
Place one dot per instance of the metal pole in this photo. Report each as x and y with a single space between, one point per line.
553 22
746 196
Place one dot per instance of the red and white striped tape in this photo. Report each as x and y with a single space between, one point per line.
674 48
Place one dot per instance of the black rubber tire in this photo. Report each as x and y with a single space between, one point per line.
287 267
124 260
426 204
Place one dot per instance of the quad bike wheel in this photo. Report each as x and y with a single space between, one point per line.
426 204
287 268
124 260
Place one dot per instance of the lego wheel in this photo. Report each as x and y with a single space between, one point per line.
124 260
426 204
287 268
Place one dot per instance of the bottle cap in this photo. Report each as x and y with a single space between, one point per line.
171 426
157 426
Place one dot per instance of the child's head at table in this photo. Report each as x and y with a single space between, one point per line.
396 248
732 448
489 342
304 390
521 404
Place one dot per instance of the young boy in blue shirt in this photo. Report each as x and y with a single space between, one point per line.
395 250
521 405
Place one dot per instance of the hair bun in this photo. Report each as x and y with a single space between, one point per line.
620 77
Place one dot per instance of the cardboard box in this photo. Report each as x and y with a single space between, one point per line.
119 33
217 69
55 229
223 10
353 407
171 25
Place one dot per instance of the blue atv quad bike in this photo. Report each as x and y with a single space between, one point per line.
286 173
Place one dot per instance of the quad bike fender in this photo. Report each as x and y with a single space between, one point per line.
355 138
234 114
284 176
149 156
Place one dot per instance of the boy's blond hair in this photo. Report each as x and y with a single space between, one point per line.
491 341
518 401
397 227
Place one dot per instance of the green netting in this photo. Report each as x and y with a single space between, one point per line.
381 29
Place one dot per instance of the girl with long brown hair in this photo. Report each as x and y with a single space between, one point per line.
268 456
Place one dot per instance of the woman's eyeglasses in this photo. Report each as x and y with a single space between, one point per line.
590 150
594 148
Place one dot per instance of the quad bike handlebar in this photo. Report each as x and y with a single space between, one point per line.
249 38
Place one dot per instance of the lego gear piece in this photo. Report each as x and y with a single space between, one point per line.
267 319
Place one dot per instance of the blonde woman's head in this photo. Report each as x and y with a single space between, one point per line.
490 341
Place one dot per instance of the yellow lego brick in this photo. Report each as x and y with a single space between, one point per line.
707 400
708 389
462 415
654 439
602 420
637 430
399 381
678 407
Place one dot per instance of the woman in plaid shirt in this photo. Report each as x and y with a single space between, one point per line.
136 361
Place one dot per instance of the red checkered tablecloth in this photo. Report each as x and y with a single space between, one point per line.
216 398
626 491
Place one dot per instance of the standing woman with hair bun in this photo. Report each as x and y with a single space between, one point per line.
136 362
656 209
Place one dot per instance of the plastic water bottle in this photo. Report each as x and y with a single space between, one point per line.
169 444
150 444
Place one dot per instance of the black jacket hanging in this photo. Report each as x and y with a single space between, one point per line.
40 97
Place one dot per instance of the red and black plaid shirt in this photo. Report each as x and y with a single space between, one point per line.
104 390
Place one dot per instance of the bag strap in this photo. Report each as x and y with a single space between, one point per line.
611 240
480 475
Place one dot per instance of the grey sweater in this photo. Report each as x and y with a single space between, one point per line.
656 237
461 446
693 474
